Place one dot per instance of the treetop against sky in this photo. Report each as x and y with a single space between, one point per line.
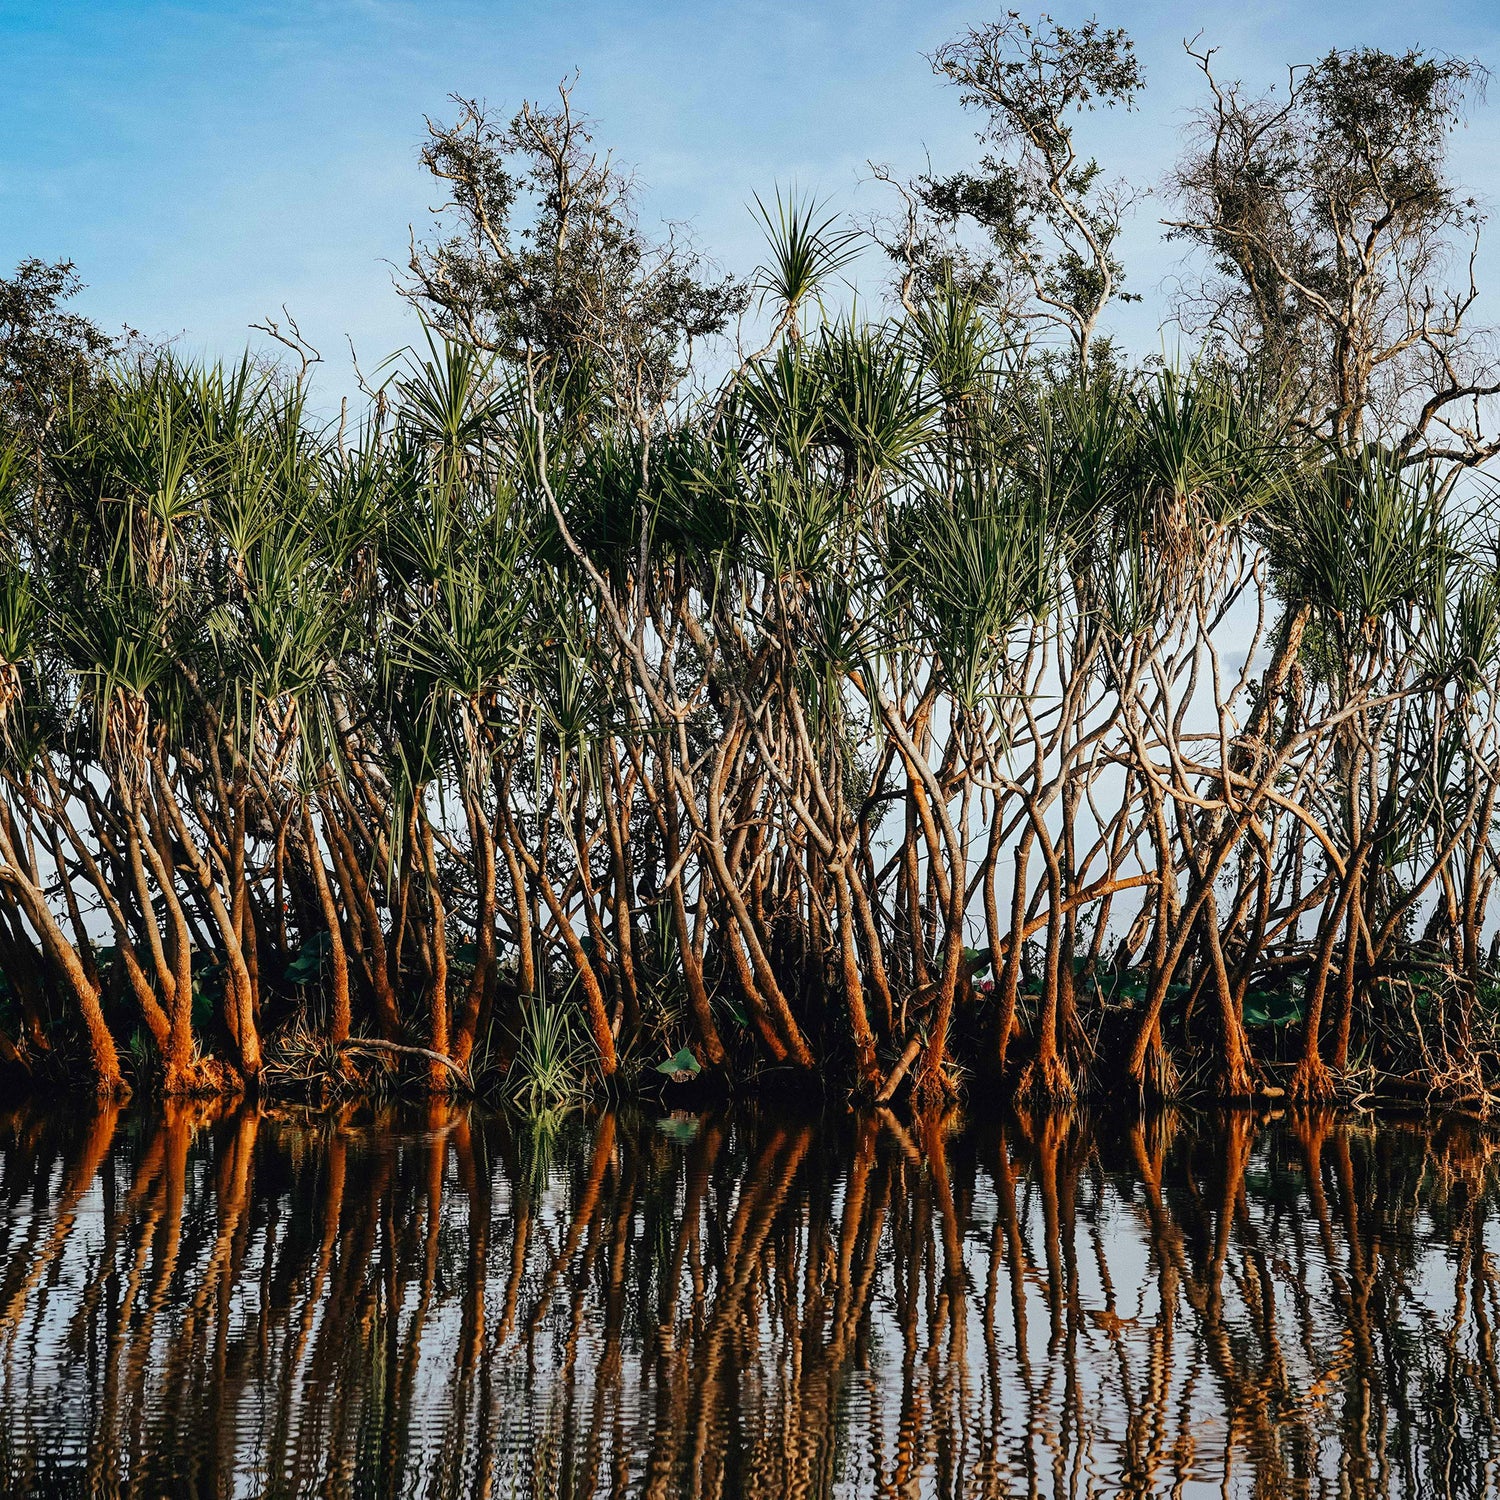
204 164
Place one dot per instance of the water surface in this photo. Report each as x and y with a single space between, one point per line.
442 1302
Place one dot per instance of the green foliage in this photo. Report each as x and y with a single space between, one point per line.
46 349
682 1064
307 963
806 248
540 260
555 656
1049 215
546 1072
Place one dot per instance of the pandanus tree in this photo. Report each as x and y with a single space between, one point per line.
731 737
43 955
1172 562
564 716
1366 546
974 555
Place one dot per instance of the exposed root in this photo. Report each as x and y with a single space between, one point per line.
1158 1078
887 1090
203 1078
436 1059
933 1089
1239 1083
301 1061
871 1082
1312 1082
1044 1083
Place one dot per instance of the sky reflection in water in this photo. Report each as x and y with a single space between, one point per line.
441 1302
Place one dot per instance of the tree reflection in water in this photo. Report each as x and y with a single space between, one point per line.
445 1303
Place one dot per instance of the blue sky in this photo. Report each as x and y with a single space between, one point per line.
204 163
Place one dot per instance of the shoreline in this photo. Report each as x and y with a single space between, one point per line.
983 1099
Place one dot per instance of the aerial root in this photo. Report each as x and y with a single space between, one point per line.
1312 1082
1044 1083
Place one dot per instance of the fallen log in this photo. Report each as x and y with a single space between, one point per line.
362 1044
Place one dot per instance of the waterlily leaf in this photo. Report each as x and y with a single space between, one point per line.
682 1062
308 962
1273 1008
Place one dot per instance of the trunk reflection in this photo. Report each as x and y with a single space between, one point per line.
442 1302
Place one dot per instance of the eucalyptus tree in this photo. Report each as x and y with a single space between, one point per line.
539 258
47 349
1050 217
1342 255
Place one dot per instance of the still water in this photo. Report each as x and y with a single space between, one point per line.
444 1302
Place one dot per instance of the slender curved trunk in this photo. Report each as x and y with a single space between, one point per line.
339 1018
478 992
104 1058
439 1078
